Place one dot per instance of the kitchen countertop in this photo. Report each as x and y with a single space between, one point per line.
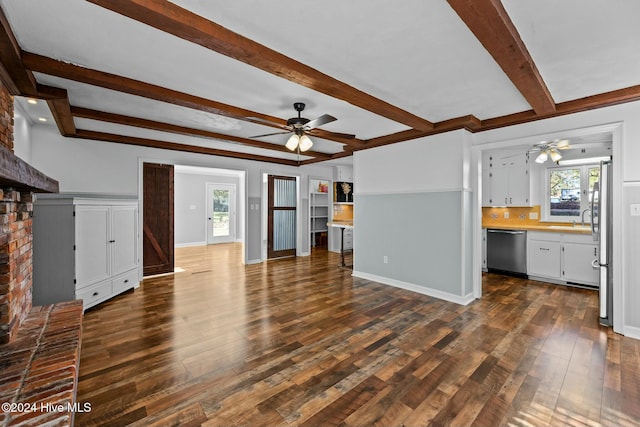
577 229
341 224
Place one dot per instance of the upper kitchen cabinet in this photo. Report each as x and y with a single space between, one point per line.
343 173
506 179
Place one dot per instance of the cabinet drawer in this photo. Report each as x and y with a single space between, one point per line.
348 243
94 294
125 281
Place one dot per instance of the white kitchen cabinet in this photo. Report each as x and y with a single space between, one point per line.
84 248
562 257
343 173
578 252
543 255
506 179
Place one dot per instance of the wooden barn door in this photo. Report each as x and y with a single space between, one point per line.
157 246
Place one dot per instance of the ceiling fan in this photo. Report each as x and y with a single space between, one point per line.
302 127
550 150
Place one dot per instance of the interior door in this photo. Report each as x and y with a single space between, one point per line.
281 241
157 246
221 213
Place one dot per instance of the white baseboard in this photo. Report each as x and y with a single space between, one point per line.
457 299
186 245
631 332
253 261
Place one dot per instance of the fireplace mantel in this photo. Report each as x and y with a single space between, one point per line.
21 176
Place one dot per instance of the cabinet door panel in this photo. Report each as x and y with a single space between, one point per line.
500 186
577 263
123 233
544 259
519 186
92 244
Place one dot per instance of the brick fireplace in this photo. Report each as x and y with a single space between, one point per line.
39 346
15 239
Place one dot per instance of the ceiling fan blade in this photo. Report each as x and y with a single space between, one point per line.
325 133
319 121
270 134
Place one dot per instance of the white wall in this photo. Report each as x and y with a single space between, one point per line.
424 164
21 134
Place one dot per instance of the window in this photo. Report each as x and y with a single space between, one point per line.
569 192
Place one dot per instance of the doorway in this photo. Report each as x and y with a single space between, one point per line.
221 213
158 219
281 216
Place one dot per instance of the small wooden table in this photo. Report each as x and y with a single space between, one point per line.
341 225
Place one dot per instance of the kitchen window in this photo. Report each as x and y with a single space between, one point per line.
569 192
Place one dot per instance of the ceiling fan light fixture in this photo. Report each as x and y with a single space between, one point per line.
305 143
555 155
563 143
292 143
542 157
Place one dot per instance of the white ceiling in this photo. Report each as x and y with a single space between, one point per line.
416 55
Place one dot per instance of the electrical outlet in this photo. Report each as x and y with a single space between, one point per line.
635 210
506 215
533 215
385 259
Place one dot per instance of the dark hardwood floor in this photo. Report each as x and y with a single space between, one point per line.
300 342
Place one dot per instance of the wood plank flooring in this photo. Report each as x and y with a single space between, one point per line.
299 342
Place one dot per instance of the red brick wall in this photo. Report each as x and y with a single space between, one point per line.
6 118
15 240
16 270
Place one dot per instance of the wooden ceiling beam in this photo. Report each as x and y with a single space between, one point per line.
14 76
145 142
492 26
120 119
53 67
173 19
45 65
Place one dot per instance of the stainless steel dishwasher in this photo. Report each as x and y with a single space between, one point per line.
507 251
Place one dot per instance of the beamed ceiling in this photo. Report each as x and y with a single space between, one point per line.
209 76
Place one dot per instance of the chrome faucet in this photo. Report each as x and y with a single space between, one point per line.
582 215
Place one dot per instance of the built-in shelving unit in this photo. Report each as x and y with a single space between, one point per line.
319 210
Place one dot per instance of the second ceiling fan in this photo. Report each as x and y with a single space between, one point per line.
301 127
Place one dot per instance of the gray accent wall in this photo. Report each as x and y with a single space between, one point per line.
421 234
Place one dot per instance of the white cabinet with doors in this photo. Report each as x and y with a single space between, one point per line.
506 179
343 173
84 248
562 257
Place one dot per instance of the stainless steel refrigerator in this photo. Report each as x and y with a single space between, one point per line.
601 228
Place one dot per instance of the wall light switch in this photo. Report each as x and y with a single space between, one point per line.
533 215
506 215
635 210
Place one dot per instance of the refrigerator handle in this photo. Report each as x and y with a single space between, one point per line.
594 215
